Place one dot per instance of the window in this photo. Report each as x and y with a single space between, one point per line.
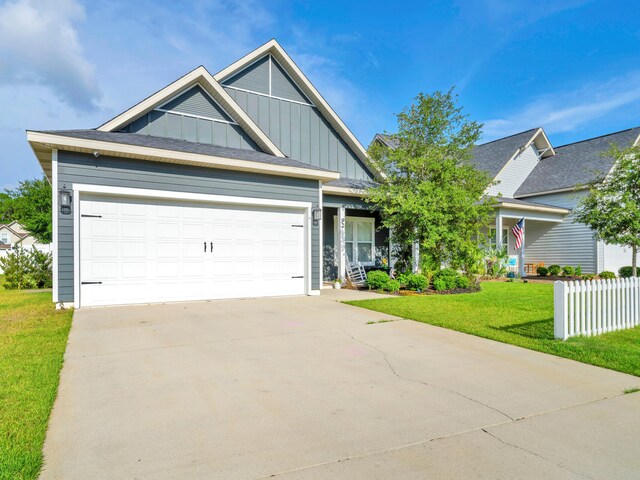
4 237
359 240
505 237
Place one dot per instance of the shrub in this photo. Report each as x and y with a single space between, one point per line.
579 270
416 281
542 271
554 270
606 275
568 271
626 272
25 269
462 282
392 286
377 279
588 276
447 278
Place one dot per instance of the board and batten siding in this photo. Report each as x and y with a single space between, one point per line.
514 173
83 168
565 243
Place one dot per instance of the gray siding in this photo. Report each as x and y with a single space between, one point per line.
565 243
301 133
255 77
183 127
196 101
514 173
85 169
282 86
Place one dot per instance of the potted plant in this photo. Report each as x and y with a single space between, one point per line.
337 284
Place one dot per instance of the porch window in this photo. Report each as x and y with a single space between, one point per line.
359 239
4 237
505 237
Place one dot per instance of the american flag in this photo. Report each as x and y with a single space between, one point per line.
518 232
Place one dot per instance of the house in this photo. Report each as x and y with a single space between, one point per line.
14 235
543 184
238 184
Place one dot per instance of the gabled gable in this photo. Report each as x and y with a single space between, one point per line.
339 138
197 102
200 76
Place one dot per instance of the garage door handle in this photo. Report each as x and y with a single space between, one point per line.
91 283
211 249
298 276
205 247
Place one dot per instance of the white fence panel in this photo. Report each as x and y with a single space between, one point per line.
595 307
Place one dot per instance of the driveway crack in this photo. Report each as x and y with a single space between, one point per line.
530 452
426 384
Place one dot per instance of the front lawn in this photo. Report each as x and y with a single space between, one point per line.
517 313
33 336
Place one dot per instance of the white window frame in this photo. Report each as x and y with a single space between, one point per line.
492 237
6 235
358 220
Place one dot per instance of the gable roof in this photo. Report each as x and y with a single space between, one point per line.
199 76
161 149
576 164
493 156
20 235
273 48
385 140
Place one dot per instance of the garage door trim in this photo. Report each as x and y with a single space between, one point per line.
79 189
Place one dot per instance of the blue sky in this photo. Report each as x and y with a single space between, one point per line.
571 66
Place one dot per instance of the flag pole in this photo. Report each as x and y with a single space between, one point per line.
521 262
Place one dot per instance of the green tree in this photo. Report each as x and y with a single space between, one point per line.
432 192
30 205
612 208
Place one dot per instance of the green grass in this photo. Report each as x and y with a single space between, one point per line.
517 313
33 336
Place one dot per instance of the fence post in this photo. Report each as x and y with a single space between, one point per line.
560 310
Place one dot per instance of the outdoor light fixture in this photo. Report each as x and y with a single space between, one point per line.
316 215
65 201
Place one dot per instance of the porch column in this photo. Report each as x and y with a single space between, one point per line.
392 258
521 252
342 251
498 230
415 256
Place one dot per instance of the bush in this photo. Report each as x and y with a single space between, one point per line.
579 270
392 286
606 275
568 271
377 279
542 271
447 279
416 281
462 282
626 272
588 276
554 270
24 269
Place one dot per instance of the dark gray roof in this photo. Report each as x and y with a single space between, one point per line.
350 183
492 156
576 164
183 146
385 139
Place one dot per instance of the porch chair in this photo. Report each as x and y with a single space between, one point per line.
356 274
512 264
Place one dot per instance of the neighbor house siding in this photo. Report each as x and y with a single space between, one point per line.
514 173
565 243
85 169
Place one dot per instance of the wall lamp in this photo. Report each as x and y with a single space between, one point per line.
316 215
65 199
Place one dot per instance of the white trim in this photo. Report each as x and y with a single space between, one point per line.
270 62
546 192
354 254
171 156
269 96
533 208
314 293
202 77
320 234
64 305
346 191
340 236
148 193
54 221
273 47
191 115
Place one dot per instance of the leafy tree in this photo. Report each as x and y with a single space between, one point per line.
432 193
29 205
612 208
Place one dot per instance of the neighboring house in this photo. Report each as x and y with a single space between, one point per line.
13 235
542 184
238 184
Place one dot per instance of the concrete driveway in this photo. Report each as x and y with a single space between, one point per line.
306 388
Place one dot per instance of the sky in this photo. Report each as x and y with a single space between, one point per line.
570 66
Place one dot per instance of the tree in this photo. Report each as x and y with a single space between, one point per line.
612 207
432 193
30 206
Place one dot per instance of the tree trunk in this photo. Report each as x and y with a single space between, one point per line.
634 261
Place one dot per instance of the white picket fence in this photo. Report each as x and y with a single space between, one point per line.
595 307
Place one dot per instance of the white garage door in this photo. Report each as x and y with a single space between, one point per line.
143 250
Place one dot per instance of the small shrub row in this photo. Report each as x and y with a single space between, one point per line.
445 279
606 275
25 269
449 279
555 270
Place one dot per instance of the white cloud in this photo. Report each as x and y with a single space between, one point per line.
570 110
40 46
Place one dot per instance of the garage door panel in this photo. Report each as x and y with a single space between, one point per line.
149 250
